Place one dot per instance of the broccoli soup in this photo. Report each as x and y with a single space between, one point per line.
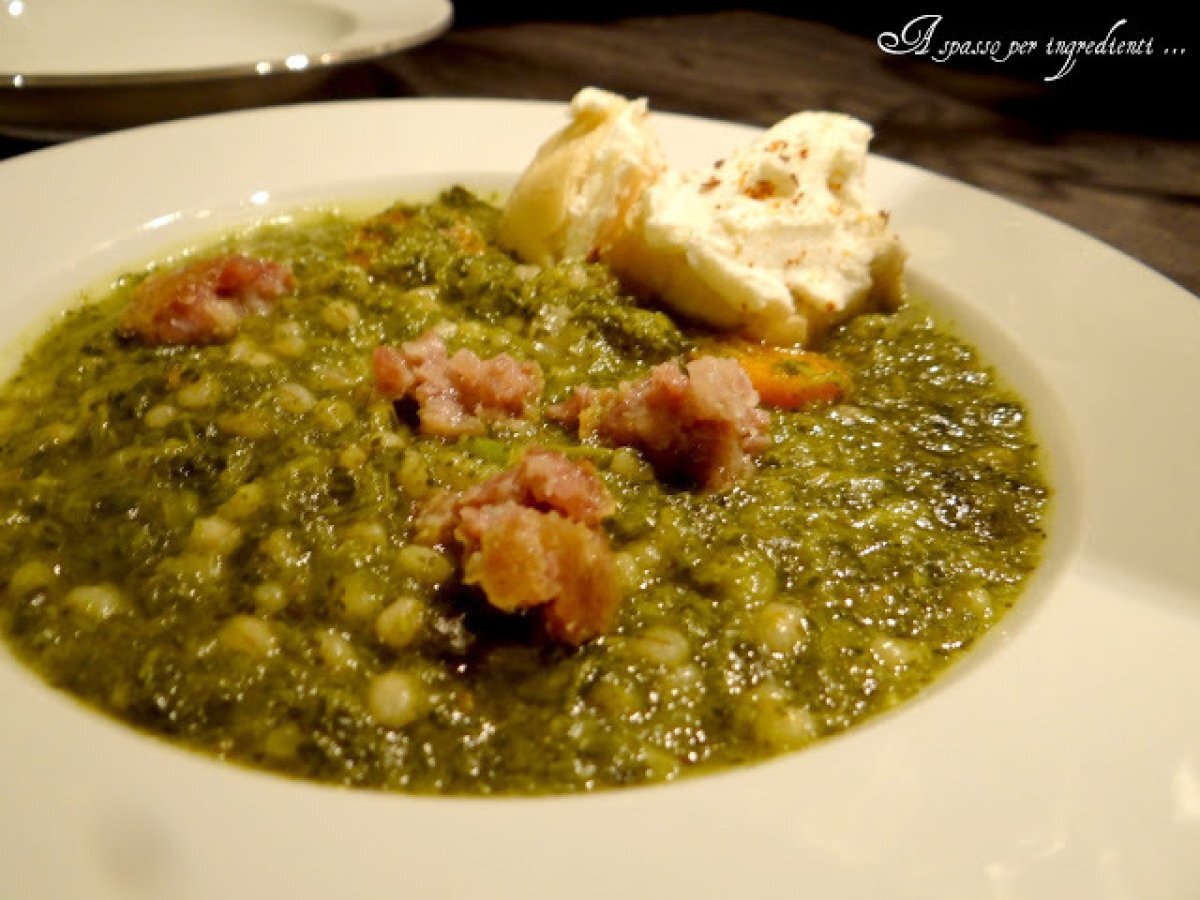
370 502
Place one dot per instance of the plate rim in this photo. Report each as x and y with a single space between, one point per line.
384 38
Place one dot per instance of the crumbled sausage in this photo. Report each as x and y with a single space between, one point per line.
204 302
457 394
700 423
526 559
548 481
542 480
530 537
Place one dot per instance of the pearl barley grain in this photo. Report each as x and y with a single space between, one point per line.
400 623
201 393
779 627
248 635
95 601
661 645
396 699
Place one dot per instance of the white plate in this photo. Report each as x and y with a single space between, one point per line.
1062 760
70 67
80 41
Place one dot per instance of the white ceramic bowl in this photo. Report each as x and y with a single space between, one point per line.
1060 760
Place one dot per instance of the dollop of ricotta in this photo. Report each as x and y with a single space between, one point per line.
778 241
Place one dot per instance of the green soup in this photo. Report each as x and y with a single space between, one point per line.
213 543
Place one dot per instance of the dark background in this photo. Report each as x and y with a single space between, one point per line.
1146 94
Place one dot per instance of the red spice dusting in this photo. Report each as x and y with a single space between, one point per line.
760 190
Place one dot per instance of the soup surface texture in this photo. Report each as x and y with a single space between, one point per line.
215 542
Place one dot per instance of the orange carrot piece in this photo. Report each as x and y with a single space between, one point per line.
789 379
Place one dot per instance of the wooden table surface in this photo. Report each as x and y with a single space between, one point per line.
1105 148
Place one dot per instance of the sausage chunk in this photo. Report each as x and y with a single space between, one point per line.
530 538
204 302
700 423
457 394
524 558
548 481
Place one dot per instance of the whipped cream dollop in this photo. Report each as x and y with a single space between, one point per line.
779 240
577 195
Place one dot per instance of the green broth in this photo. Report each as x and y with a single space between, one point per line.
211 543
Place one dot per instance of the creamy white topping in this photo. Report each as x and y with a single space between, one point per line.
779 239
